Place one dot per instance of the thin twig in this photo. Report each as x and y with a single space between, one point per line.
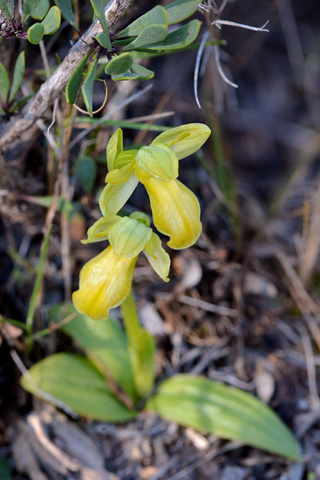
197 66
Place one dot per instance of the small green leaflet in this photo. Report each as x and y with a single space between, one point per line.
42 9
136 72
119 64
7 8
87 87
103 39
67 12
149 35
35 33
180 38
17 76
180 10
156 16
99 11
74 381
28 7
75 80
51 23
86 172
4 83
227 412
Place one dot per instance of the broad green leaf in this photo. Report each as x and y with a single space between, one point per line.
156 16
227 412
105 343
42 9
4 83
5 471
19 103
180 10
179 38
86 171
149 35
98 7
62 206
17 75
75 80
87 87
52 21
136 72
103 40
35 33
76 382
141 348
67 13
28 8
119 64
7 8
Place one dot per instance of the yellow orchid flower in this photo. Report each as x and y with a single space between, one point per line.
105 281
175 209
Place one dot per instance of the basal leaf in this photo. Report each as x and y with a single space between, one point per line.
17 75
35 33
7 8
4 83
51 23
105 343
119 64
225 411
28 8
42 9
76 382
87 87
67 12
156 16
136 72
149 35
62 204
180 38
180 10
86 172
98 7
75 80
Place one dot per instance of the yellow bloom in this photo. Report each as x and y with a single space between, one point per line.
175 209
105 281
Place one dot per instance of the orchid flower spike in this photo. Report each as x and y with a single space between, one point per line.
105 281
175 209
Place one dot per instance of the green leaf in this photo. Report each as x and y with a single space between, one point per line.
35 33
75 80
156 16
87 87
67 12
180 10
119 64
98 8
103 39
141 348
149 35
180 38
17 75
224 411
4 83
136 72
5 471
28 8
76 382
86 171
19 103
7 8
62 206
105 344
40 12
52 21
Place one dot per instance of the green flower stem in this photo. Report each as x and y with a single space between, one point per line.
130 317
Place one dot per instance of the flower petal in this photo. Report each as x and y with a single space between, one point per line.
100 229
105 282
158 161
184 140
120 175
175 211
113 197
129 236
158 257
114 147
